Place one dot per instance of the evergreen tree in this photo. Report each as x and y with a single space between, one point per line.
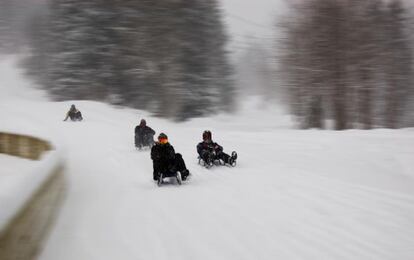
165 56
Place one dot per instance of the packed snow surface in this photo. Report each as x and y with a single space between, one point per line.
293 194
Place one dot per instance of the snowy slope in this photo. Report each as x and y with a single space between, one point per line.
294 194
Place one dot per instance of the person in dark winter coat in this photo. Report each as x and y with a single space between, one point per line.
210 151
144 135
74 114
165 160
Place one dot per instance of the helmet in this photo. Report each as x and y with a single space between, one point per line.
207 135
72 106
163 138
143 122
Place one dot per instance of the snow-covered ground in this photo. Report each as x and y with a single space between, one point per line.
20 179
10 165
293 195
14 173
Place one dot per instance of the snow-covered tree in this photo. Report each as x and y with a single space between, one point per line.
165 56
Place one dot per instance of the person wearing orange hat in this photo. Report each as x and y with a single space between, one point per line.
166 160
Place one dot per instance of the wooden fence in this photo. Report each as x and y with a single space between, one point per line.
23 146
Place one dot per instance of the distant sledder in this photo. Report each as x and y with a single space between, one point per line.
166 162
144 135
74 114
211 153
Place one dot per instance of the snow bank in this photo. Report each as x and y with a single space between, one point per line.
19 184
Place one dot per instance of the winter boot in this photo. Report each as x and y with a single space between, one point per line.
184 174
233 158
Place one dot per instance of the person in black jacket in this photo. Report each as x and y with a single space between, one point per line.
74 114
210 151
144 135
165 160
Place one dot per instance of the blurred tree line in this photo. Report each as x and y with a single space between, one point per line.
349 61
164 56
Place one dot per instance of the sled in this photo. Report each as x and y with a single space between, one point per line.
171 175
217 162
211 163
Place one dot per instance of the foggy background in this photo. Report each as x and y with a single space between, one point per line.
331 64
254 73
